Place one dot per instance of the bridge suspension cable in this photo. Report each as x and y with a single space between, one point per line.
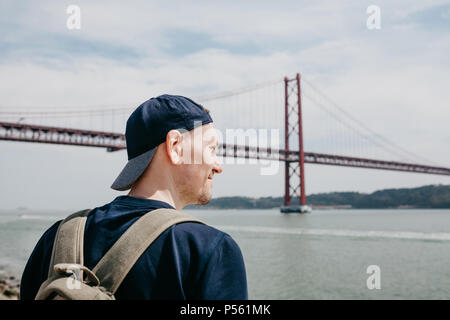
346 119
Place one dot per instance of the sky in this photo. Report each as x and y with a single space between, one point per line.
393 79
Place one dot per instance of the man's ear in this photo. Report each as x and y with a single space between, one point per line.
174 146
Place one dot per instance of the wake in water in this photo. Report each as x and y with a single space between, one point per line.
342 233
37 217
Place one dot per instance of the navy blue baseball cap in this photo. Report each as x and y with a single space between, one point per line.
147 128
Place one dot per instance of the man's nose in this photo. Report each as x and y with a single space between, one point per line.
217 167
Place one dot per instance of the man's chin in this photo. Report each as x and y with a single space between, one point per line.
204 199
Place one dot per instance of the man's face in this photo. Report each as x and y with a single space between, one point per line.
200 164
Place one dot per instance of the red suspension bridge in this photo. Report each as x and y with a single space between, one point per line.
292 154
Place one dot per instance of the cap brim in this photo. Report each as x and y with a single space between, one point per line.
133 170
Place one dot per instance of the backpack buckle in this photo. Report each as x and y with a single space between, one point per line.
76 271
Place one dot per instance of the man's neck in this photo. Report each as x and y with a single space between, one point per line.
160 195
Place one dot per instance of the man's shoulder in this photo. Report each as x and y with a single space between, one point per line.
201 236
195 229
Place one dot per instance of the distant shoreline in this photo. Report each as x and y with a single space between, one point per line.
426 197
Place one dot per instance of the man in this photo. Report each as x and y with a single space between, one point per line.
171 146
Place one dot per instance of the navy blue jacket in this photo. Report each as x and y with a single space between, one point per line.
187 261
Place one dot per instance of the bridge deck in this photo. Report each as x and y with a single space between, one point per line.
116 141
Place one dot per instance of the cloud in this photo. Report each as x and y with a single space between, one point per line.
434 18
393 80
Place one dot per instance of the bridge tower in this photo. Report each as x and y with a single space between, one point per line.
294 178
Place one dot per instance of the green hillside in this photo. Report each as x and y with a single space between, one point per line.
432 196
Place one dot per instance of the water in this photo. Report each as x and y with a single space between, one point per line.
323 255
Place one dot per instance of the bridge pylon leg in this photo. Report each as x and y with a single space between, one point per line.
294 184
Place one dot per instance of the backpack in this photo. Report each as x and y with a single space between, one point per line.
69 279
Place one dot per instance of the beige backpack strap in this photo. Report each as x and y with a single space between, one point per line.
69 241
118 261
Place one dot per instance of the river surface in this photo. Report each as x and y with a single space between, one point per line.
327 254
